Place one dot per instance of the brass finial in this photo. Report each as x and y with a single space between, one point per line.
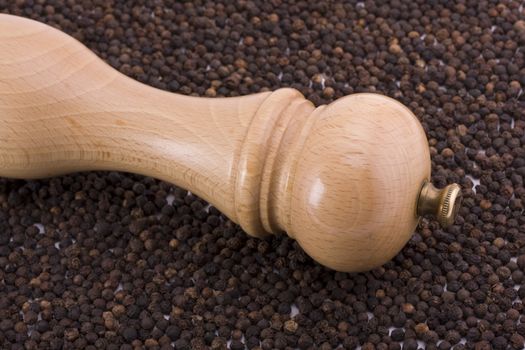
442 203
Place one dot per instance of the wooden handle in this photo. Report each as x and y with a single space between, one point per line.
343 179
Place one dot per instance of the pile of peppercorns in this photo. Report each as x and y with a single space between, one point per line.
119 261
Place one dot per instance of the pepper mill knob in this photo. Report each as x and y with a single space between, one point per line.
346 180
443 204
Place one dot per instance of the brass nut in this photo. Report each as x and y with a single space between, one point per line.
443 203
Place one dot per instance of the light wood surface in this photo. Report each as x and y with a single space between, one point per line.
341 179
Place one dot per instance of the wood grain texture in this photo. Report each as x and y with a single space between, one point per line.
342 179
63 110
354 198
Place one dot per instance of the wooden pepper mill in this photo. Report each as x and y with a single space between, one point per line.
347 180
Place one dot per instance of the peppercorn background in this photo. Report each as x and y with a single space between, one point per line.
113 261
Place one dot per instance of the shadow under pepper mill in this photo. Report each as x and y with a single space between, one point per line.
347 180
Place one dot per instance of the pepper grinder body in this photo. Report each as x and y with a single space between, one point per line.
343 179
